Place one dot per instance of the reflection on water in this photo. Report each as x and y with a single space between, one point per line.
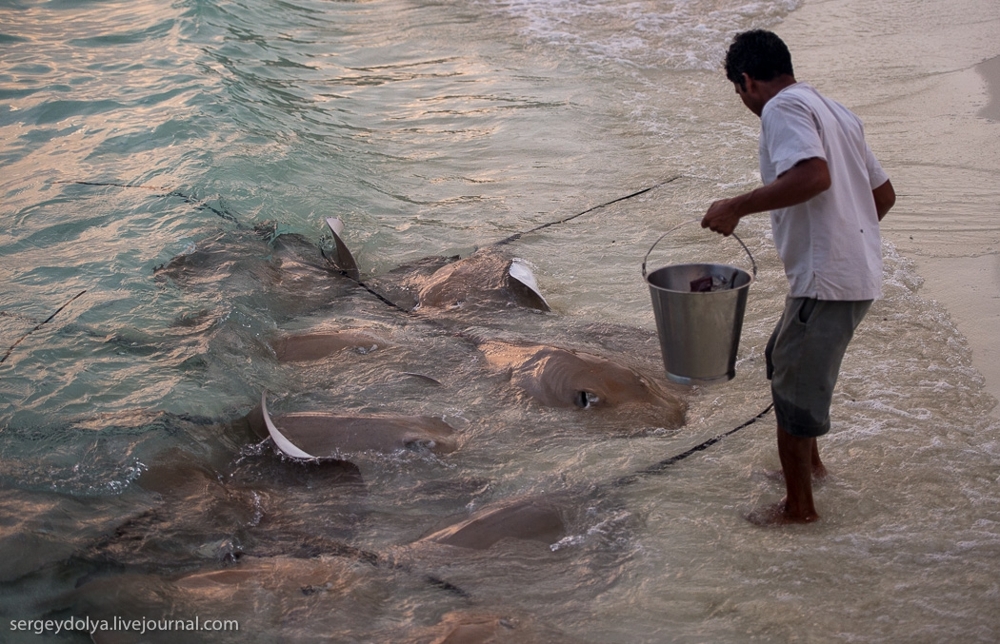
136 479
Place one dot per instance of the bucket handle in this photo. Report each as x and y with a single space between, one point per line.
685 223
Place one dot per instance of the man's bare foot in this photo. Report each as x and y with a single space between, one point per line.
778 514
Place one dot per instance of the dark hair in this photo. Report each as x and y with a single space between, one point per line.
759 54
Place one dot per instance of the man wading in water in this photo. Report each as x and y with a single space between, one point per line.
826 193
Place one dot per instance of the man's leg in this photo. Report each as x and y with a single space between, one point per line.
797 462
800 462
819 470
803 359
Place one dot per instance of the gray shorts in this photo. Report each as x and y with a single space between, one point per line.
803 360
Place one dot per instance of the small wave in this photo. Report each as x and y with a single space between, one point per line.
677 35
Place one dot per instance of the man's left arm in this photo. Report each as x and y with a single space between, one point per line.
885 198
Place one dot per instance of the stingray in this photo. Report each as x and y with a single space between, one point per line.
320 435
558 377
532 519
192 516
315 345
488 278
284 273
190 512
262 256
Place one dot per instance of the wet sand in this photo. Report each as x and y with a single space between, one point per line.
968 284
990 70
927 84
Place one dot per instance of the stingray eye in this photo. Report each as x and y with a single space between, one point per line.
585 399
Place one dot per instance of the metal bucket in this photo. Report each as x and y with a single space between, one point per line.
699 317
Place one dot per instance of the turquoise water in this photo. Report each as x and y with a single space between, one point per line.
134 132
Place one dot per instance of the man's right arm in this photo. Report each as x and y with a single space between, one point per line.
802 182
885 198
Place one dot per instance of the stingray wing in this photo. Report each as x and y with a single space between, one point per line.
520 272
345 260
286 446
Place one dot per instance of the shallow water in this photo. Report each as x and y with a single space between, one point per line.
432 129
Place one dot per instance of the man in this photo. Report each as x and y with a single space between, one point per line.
826 193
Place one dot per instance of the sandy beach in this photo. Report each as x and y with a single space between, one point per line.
968 283
929 93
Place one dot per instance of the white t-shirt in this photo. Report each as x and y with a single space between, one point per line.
830 245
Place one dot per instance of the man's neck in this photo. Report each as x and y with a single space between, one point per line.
756 93
773 87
